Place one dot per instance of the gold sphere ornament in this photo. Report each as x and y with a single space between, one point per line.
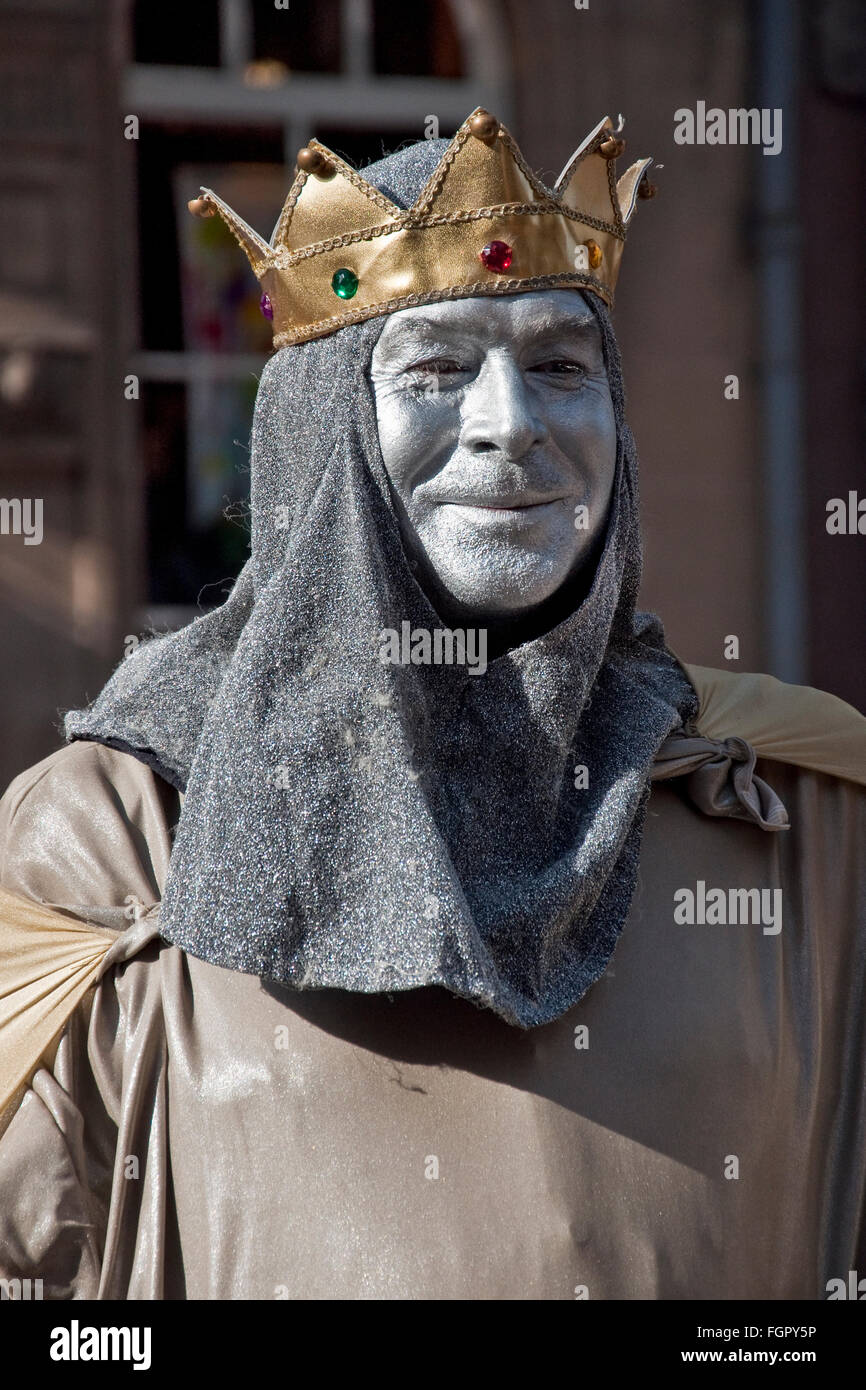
484 127
611 148
314 162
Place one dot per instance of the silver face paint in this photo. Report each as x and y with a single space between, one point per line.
497 428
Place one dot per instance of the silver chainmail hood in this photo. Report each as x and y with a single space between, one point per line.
375 827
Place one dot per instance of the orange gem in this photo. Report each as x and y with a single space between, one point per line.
595 254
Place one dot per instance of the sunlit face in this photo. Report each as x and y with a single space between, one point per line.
497 430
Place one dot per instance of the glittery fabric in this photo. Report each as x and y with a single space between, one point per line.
378 827
401 176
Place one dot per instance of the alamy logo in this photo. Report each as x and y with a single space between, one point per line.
20 1290
76 1343
736 907
846 520
441 647
854 1289
736 126
22 517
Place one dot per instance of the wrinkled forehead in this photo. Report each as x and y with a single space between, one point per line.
517 320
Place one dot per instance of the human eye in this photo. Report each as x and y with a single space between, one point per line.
437 366
436 373
563 368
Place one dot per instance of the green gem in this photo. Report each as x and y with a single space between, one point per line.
345 283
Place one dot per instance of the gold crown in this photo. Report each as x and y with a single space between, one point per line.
342 252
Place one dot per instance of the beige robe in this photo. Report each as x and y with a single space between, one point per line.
695 1128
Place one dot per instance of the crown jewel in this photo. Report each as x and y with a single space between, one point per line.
342 252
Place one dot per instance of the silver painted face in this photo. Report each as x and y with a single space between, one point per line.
497 428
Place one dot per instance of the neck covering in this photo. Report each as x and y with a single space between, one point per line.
373 827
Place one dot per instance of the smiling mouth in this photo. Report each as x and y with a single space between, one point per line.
505 515
504 505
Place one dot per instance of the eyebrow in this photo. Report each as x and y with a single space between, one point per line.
554 321
563 326
553 324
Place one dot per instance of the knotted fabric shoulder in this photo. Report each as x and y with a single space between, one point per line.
743 717
721 779
785 723
49 959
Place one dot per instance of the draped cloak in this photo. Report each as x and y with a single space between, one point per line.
327 1144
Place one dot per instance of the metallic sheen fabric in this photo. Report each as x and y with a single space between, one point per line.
203 1135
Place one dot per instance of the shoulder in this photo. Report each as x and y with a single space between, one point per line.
80 762
83 834
84 823
793 724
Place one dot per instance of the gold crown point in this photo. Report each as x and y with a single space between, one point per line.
611 148
484 127
313 161
200 207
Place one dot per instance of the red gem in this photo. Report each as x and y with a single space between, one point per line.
266 306
496 255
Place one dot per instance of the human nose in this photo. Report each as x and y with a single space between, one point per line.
499 412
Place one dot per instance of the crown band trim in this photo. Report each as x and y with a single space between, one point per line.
322 327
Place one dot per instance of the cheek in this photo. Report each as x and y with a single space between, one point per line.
584 429
414 430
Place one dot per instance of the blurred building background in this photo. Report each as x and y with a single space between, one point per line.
131 342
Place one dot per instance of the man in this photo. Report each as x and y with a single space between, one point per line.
356 1029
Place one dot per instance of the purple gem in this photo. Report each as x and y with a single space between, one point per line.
266 306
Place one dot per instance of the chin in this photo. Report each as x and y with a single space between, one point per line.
500 591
